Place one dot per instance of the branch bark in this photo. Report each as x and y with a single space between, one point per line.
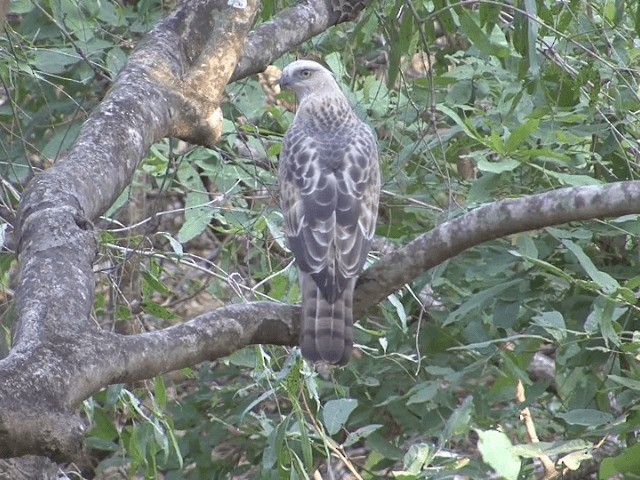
224 330
290 28
172 85
489 222
153 97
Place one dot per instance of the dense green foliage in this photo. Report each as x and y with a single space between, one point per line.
519 98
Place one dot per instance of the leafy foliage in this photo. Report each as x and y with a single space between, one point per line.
471 103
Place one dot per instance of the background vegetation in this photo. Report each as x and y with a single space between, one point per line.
472 102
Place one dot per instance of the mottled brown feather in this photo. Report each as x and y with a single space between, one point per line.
329 188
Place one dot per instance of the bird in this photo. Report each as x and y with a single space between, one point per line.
329 181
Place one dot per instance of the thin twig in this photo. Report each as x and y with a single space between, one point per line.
525 415
330 442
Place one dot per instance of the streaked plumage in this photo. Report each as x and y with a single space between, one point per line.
329 188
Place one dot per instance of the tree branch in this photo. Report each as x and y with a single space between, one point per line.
290 28
152 97
224 330
489 222
172 86
209 336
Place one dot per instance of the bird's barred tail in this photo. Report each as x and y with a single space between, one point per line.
326 333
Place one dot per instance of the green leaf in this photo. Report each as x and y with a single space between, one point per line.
103 427
402 35
604 280
496 142
496 450
404 475
198 212
573 180
61 141
532 38
123 198
305 444
115 60
378 443
601 318
628 462
505 314
423 392
402 315
485 344
274 445
493 45
489 14
154 284
158 311
3 233
553 323
627 382
501 166
478 300
336 412
416 457
526 246
521 133
633 283
458 121
176 246
362 432
538 449
160 392
548 267
586 417
458 422
100 444
460 93
444 15
55 60
335 64
573 460
21 6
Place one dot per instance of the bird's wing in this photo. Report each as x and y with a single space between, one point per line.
329 196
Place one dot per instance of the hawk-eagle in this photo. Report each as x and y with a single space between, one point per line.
329 188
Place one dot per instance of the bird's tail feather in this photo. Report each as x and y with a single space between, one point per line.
326 333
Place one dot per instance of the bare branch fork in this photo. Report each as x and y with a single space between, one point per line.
172 85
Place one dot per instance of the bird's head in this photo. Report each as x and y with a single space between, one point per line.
306 77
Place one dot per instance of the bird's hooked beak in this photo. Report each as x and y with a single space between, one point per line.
284 81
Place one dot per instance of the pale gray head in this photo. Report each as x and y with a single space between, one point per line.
306 77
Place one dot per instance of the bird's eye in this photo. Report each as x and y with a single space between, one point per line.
305 73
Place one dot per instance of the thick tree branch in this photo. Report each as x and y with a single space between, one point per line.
290 28
212 335
224 330
55 343
489 222
172 85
